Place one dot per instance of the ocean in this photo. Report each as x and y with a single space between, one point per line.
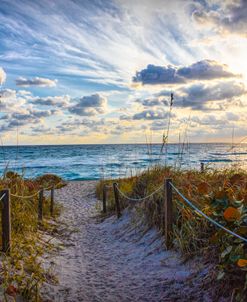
92 162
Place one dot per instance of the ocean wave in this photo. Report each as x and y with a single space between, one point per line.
237 153
150 159
174 153
113 165
223 160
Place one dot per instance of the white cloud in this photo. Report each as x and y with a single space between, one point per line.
199 95
89 105
37 81
55 101
227 16
201 70
152 114
2 76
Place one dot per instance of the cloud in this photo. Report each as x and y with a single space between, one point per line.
151 114
89 105
24 118
210 120
206 70
125 117
232 116
56 101
32 115
83 126
40 82
43 113
158 125
2 76
225 120
226 16
153 75
96 125
201 70
153 101
121 129
7 94
198 95
22 109
40 130
10 101
24 93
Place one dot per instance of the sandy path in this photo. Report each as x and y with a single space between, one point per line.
116 260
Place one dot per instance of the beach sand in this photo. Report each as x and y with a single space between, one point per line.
116 260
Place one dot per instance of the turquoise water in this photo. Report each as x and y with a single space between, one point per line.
81 162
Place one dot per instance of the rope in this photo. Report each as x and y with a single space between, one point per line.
48 188
207 217
2 196
24 197
55 187
139 199
30 196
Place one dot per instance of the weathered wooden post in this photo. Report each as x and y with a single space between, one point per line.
52 202
168 212
40 207
6 221
104 198
202 167
116 195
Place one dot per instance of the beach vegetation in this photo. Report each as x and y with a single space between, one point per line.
220 194
22 272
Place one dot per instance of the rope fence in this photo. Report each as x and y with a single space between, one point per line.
142 198
206 216
168 219
24 197
5 199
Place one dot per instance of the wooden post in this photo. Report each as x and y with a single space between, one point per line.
202 167
115 189
52 201
40 208
104 198
168 212
6 221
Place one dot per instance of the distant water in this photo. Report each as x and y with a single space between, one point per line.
84 162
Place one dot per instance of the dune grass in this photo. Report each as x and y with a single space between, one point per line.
22 272
221 194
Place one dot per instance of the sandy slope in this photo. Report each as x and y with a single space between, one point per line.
116 260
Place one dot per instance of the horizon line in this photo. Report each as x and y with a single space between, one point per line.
104 144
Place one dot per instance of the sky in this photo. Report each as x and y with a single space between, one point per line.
102 71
